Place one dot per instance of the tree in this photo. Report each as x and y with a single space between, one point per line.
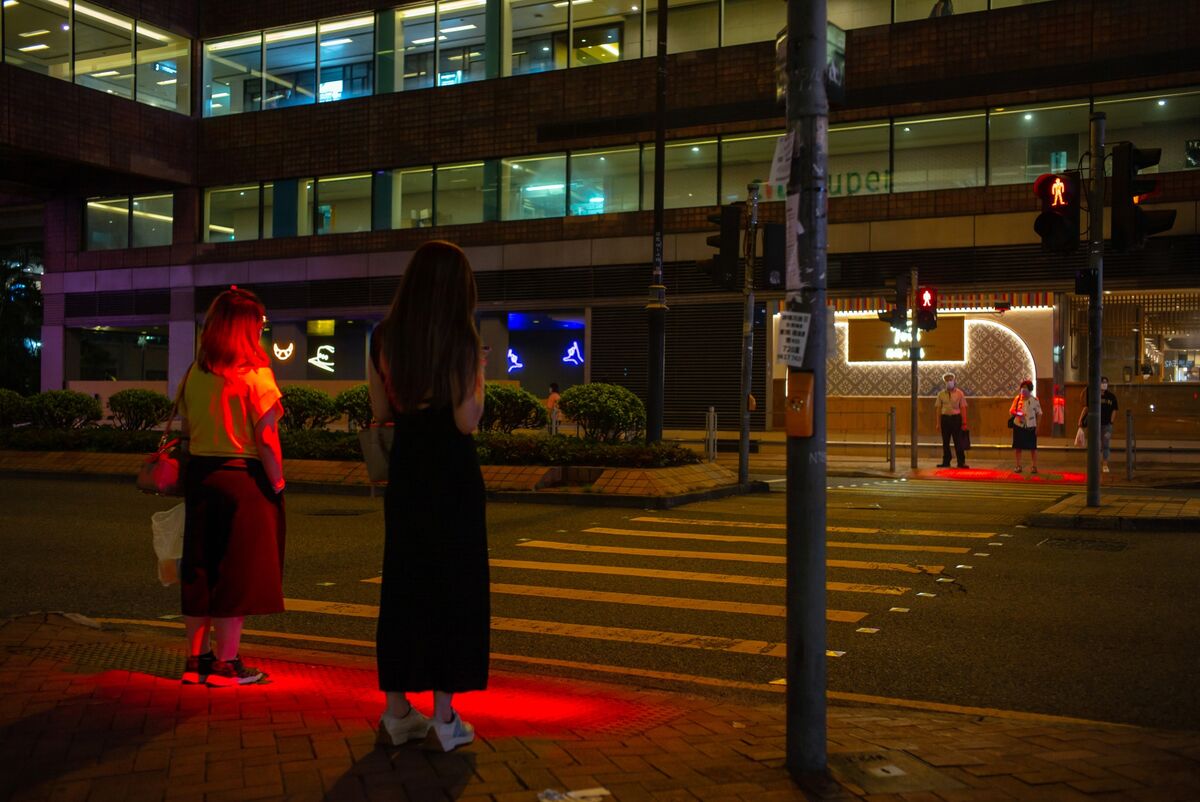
20 320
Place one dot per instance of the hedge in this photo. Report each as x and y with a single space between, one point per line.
137 410
14 408
355 404
506 408
306 408
606 413
64 409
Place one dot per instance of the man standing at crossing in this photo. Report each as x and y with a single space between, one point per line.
951 409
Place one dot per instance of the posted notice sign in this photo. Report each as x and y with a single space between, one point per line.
793 337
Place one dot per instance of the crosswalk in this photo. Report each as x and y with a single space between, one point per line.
700 594
944 489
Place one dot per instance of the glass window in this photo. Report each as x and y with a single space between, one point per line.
291 71
164 69
1027 141
233 75
37 36
231 213
1169 120
537 36
107 223
907 10
859 160
690 178
103 50
745 159
153 220
344 203
1009 3
462 41
406 43
460 194
533 187
347 58
288 208
939 152
847 14
753 21
604 181
604 32
691 25
404 198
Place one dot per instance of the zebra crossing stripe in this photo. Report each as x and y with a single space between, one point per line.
849 530
774 541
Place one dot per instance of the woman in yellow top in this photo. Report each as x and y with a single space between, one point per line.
1026 413
233 540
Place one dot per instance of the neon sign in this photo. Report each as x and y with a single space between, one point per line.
900 351
283 354
323 358
514 361
574 354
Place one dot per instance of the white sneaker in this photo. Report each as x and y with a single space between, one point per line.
399 730
453 734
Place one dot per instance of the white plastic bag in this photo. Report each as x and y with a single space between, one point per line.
1080 438
168 542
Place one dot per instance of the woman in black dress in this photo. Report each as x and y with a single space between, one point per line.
434 610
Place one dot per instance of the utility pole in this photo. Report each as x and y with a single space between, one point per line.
914 354
1095 305
747 334
656 303
808 121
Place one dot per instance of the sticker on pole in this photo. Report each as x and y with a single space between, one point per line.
793 337
781 165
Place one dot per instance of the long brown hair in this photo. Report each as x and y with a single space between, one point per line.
429 339
231 338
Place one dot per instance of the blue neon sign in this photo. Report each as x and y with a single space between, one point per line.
574 354
514 361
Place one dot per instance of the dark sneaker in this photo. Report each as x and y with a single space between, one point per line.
233 672
198 667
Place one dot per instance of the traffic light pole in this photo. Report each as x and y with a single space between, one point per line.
808 120
1095 306
747 336
914 354
656 303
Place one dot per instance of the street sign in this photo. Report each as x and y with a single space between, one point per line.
793 338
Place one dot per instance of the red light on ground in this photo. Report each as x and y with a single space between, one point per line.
1002 475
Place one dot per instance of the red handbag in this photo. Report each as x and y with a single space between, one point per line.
162 472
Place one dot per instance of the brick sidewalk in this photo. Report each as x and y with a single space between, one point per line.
1176 513
91 714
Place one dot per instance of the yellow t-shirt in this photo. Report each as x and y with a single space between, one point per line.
221 411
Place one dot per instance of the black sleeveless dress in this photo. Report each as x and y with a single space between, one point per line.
434 608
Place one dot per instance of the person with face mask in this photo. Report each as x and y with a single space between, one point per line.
951 409
1024 415
1108 406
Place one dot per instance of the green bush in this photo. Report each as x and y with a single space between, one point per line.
606 413
306 408
95 438
136 410
516 449
320 444
506 408
63 409
14 408
355 404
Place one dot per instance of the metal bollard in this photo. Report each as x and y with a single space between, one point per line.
892 439
710 434
1129 445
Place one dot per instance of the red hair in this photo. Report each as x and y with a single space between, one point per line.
231 338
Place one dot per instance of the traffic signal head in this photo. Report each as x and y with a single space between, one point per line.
772 266
723 266
1131 224
897 317
927 306
1058 224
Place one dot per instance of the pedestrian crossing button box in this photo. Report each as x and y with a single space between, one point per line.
799 403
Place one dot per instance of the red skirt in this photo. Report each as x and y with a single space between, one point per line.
233 540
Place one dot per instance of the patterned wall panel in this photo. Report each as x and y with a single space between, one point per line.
997 361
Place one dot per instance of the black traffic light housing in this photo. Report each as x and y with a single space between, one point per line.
898 316
1058 224
1131 224
927 306
723 267
772 265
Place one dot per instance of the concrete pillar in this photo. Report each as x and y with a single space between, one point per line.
53 357
181 336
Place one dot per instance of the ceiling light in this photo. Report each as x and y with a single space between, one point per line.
906 128
573 2
168 83
633 8
234 44
1161 102
9 3
695 149
453 5
31 34
335 42
105 74
458 28
31 48
218 105
96 13
611 48
294 33
220 94
346 24
1028 116
427 40
545 50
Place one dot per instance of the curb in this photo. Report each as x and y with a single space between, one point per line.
1118 522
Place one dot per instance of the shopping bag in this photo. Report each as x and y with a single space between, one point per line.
168 542
1080 438
965 436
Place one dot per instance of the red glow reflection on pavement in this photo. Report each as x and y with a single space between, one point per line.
511 706
999 475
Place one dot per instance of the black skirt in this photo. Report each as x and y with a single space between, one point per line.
1024 438
233 540
434 607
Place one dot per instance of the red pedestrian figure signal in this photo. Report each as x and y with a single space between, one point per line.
1056 190
927 305
1058 224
